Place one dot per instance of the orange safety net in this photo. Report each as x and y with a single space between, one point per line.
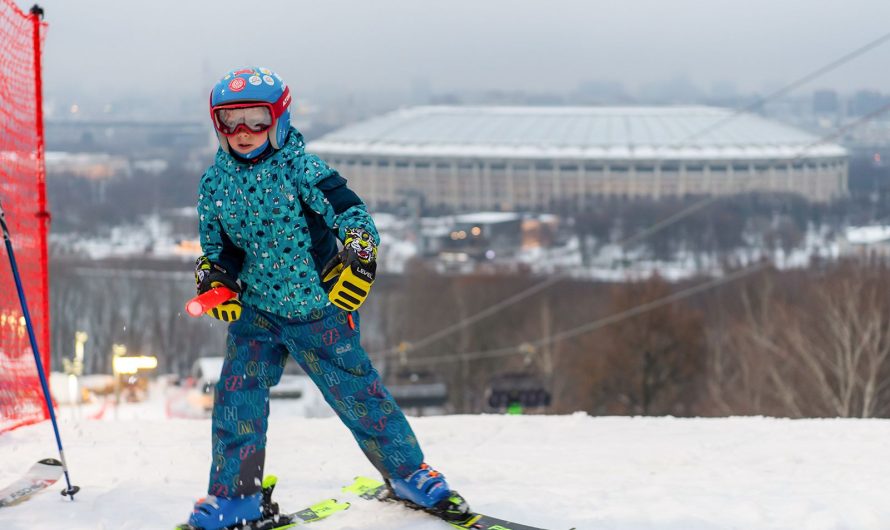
23 198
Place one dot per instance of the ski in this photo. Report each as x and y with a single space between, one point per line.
274 520
371 489
316 512
42 474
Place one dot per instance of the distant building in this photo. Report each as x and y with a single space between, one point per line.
826 103
460 242
517 158
478 236
866 241
865 102
93 166
129 136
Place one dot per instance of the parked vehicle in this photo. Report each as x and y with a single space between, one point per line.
294 383
204 375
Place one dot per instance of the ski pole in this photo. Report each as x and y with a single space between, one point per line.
71 490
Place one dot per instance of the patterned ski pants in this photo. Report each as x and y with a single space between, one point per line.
327 347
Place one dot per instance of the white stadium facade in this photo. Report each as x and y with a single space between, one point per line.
519 158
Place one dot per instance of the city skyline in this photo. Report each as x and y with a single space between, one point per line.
347 47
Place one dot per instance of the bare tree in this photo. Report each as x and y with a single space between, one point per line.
820 349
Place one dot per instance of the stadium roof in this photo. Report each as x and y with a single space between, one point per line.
612 133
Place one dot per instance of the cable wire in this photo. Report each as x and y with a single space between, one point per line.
600 322
549 282
791 86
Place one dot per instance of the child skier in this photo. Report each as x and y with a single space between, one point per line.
270 215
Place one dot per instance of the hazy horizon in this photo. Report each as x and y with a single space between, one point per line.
348 46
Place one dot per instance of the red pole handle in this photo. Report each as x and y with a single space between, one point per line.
202 303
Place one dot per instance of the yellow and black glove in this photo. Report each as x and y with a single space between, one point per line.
353 268
209 275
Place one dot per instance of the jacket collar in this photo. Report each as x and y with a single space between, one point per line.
293 147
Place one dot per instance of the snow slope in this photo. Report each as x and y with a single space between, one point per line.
557 472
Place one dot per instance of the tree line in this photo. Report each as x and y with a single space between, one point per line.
798 343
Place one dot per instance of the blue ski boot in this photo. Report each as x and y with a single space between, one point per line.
216 513
427 489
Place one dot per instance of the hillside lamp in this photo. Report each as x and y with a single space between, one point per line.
528 351
131 364
74 369
117 351
80 338
403 348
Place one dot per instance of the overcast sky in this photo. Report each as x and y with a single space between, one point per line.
179 47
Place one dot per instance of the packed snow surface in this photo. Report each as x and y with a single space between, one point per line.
553 471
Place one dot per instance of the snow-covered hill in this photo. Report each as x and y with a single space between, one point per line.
556 472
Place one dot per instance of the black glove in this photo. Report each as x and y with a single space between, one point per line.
209 275
354 269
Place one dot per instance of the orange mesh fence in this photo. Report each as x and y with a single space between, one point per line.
23 198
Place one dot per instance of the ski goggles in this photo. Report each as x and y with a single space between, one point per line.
254 117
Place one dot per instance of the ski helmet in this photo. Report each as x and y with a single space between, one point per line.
254 84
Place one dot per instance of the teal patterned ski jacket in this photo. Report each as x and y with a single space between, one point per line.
274 224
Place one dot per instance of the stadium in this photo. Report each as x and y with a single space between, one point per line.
517 158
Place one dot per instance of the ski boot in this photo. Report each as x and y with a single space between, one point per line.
217 513
252 512
426 489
